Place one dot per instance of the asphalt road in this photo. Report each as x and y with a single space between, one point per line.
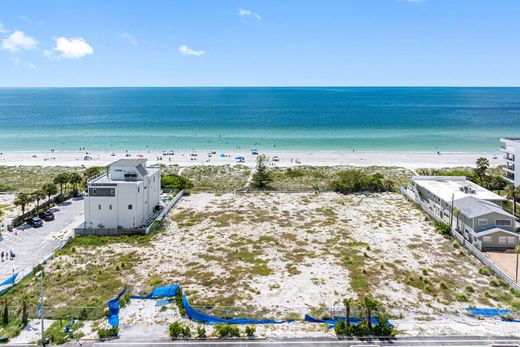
33 245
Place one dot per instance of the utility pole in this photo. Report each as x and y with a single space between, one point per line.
451 215
41 307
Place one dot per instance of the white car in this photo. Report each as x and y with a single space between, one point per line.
275 158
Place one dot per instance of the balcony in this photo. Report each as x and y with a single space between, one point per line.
509 176
509 156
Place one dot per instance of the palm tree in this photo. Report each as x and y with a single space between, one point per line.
348 304
513 193
482 165
61 180
456 212
38 195
369 305
517 251
75 179
25 300
49 189
22 200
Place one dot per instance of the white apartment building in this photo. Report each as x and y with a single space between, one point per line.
126 196
511 149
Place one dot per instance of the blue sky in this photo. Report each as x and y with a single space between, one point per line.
260 43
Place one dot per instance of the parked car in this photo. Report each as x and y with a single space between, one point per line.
47 216
275 158
35 222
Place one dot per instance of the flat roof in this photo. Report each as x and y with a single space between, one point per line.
446 187
128 162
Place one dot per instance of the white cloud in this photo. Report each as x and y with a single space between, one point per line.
31 66
74 48
130 38
185 50
248 13
17 41
3 29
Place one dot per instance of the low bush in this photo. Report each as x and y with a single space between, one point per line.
485 271
250 330
226 330
442 228
201 332
362 329
175 329
106 333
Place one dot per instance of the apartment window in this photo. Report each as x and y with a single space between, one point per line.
487 239
110 207
93 192
503 222
502 239
482 221
112 192
129 207
511 240
99 207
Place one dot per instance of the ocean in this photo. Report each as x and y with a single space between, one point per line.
308 119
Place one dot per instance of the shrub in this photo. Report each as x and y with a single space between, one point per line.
250 330
470 289
493 283
176 182
442 228
186 331
340 327
461 297
109 332
443 285
226 330
175 329
485 271
201 332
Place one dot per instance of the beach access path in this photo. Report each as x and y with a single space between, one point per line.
33 245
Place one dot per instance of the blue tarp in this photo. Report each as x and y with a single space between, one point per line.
206 318
332 322
113 310
487 312
159 292
10 280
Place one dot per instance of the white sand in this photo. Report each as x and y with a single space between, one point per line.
410 160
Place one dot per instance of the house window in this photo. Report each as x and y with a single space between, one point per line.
112 192
129 207
503 221
99 207
511 240
93 192
138 189
482 221
487 239
110 206
502 239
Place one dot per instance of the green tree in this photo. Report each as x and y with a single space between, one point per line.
25 300
497 183
262 176
513 193
5 316
61 179
22 200
38 195
369 305
75 179
49 189
348 305
482 166
176 182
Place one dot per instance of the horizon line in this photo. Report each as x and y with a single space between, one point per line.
265 86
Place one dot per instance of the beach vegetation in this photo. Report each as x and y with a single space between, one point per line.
176 182
105 333
226 330
352 181
250 331
22 200
442 228
201 332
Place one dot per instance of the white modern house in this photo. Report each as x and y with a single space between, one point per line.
472 210
126 196
511 149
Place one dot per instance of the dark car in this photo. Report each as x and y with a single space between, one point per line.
47 216
35 222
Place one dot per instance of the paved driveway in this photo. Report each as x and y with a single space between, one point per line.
33 245
505 261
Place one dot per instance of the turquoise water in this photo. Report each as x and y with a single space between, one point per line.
388 119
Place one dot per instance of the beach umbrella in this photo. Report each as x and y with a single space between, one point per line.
222 155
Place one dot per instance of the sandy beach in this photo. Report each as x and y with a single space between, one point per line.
409 160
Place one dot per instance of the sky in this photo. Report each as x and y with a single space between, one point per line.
259 43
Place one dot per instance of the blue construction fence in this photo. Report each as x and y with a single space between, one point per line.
171 291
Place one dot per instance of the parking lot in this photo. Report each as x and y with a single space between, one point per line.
32 245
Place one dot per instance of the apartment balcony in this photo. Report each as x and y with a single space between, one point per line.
509 176
510 167
509 156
